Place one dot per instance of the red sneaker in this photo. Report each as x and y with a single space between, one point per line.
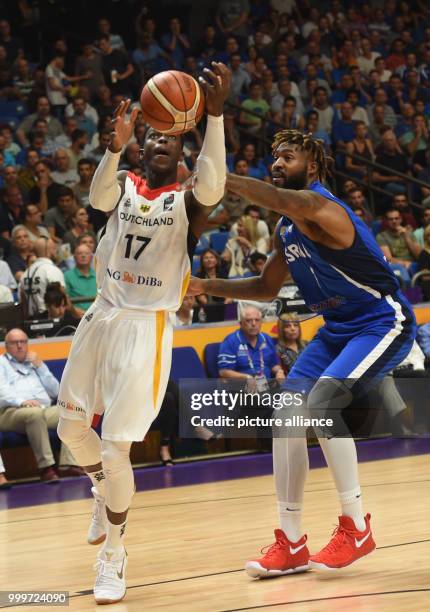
282 557
346 546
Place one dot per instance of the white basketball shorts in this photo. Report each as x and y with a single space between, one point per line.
119 366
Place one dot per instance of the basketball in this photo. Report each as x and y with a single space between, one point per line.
172 102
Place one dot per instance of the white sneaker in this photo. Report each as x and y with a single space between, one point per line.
110 582
98 526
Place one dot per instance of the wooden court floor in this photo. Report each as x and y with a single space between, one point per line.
187 547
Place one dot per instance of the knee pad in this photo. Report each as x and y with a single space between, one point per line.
115 456
71 431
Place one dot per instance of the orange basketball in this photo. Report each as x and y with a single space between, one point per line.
172 102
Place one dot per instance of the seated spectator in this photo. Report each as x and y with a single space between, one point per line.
104 104
249 353
47 190
96 154
290 118
262 228
358 111
43 111
398 244
233 204
11 211
9 178
312 126
211 266
256 167
360 145
63 174
325 111
417 139
424 263
38 276
257 261
390 155
26 174
290 343
287 89
258 106
79 147
81 188
389 114
425 222
86 121
377 125
149 57
167 422
401 204
131 157
58 307
64 140
343 127
22 247
240 79
7 279
104 29
59 218
27 390
80 225
239 248
185 314
81 280
357 201
23 80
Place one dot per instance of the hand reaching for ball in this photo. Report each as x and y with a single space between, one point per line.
217 89
122 129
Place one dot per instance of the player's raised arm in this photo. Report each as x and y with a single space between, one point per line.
107 185
211 163
261 288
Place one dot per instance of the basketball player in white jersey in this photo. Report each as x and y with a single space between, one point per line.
120 357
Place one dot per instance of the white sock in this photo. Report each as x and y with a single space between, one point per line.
352 506
114 539
341 457
290 518
98 481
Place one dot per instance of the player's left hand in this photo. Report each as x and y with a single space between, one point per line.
216 88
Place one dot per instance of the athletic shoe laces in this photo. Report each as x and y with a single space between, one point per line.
339 535
106 570
272 549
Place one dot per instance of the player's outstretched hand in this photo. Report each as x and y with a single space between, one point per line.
196 286
122 129
216 88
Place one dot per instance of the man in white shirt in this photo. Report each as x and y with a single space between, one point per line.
366 61
37 277
27 389
63 174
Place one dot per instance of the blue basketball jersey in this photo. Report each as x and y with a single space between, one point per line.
340 284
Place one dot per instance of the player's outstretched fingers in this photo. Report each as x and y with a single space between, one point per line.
213 77
134 114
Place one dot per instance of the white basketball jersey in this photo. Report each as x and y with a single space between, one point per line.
142 260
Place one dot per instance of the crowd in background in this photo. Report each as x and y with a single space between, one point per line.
355 74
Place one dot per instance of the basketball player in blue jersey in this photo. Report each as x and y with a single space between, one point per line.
368 329
120 358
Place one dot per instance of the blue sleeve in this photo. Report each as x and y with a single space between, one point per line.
227 356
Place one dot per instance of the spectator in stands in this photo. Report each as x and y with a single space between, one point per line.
390 155
59 218
176 43
90 67
235 205
381 98
398 244
239 248
26 174
23 80
424 263
115 40
10 177
27 390
81 280
63 174
258 106
43 111
424 175
78 148
240 79
257 261
343 128
117 68
249 353
11 44
417 139
33 222
97 153
401 204
312 126
85 121
47 190
256 167
357 201
325 111
149 57
11 211
58 85
232 18
425 222
80 225
8 134
360 145
6 277
37 277
184 316
211 266
58 307
377 125
86 169
22 247
64 140
167 422
290 343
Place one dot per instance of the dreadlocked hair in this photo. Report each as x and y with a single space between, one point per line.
306 142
